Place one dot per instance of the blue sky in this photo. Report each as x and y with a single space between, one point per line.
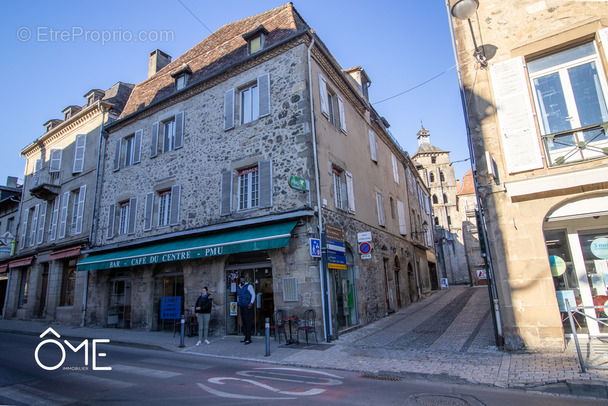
55 52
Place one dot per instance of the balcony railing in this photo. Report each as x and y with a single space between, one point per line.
581 144
45 184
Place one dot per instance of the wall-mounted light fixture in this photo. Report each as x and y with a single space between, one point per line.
464 10
425 227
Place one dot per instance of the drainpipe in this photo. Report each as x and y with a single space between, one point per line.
492 291
323 276
94 221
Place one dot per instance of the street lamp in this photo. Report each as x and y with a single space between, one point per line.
464 10
425 227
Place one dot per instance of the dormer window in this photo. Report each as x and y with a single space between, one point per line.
256 39
181 76
94 95
180 82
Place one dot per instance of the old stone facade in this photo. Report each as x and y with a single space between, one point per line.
535 91
10 196
57 211
218 168
437 171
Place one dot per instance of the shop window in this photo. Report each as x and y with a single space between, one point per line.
68 284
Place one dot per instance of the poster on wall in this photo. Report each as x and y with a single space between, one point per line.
233 309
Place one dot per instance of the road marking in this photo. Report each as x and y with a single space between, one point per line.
96 380
236 395
152 373
180 364
33 396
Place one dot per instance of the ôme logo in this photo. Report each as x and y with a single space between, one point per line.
84 344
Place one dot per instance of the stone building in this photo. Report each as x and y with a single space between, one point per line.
10 196
437 171
534 85
57 210
230 161
467 207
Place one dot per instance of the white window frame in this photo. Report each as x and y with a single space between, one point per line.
164 208
249 188
395 168
123 218
181 81
249 100
338 188
168 127
129 150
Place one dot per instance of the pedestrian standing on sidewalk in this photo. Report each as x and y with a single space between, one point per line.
203 314
245 299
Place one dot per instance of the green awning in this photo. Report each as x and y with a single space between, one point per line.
230 242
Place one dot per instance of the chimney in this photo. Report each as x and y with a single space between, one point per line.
158 60
360 78
11 181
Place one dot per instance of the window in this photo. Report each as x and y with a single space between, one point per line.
68 284
433 159
24 287
54 218
168 135
254 188
373 148
395 168
56 160
445 198
79 149
63 214
249 181
181 81
435 200
164 208
569 93
332 105
33 215
250 107
344 196
392 203
123 222
380 209
131 145
256 44
402 219
431 177
338 189
436 221
441 176
41 223
256 39
253 100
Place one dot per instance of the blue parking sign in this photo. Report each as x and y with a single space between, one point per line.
315 247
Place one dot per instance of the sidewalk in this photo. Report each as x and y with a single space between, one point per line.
448 336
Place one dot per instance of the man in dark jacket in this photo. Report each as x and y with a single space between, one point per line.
245 298
203 314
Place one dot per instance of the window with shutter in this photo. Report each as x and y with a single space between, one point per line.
175 202
168 129
342 115
373 148
129 150
154 141
265 168
402 220
137 146
41 222
22 239
380 209
323 96
37 165
179 130
34 225
123 218
350 191
117 146
111 220
79 153
55 160
229 109
132 215
337 177
249 188
149 210
264 95
395 168
250 104
226 193
65 201
82 194
55 218
164 208
514 110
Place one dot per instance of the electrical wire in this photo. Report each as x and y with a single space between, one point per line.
416 87
194 15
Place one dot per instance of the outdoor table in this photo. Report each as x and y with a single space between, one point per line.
289 320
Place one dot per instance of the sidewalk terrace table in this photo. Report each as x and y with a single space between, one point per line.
289 320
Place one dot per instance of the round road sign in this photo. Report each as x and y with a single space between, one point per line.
365 248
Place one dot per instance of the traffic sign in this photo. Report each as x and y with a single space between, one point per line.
315 247
366 256
365 248
364 237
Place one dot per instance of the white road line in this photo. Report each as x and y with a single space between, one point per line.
151 373
33 396
180 364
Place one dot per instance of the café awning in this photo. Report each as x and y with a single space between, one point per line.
258 238
20 262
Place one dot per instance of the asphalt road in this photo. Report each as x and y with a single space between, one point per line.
49 371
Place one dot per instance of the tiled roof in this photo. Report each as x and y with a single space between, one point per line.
428 148
468 188
220 50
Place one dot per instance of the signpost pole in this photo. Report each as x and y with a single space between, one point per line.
182 331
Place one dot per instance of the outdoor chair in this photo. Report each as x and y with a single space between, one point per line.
307 324
278 325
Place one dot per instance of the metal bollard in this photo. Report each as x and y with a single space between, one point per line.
182 331
267 331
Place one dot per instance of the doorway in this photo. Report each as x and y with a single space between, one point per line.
256 268
396 269
119 303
